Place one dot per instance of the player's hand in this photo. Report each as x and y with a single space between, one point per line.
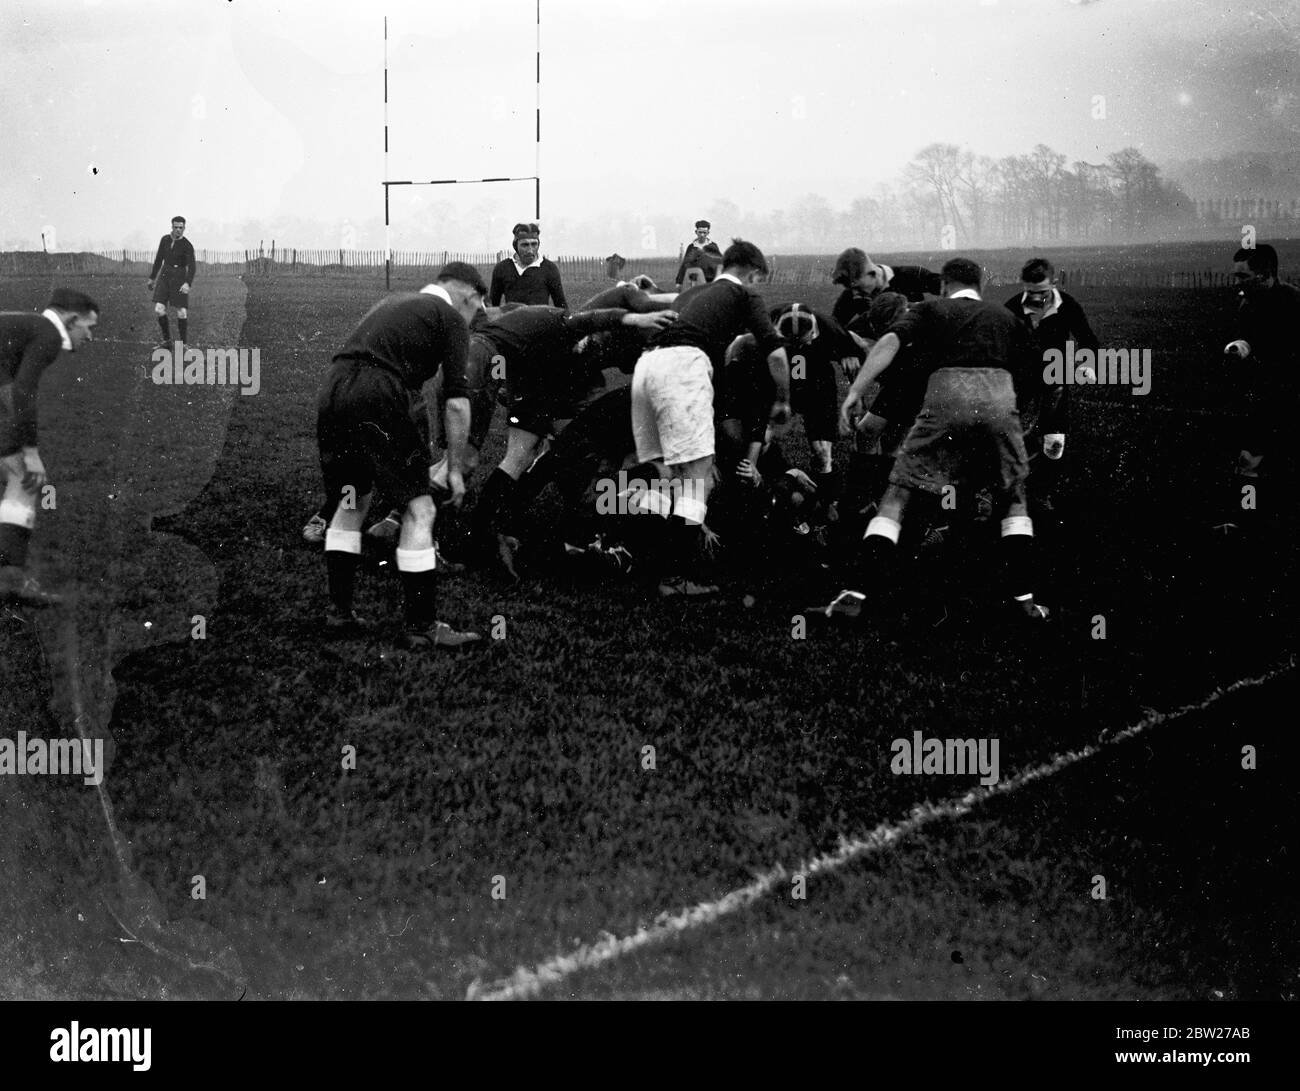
656 320
850 365
711 540
34 470
150 283
1239 349
748 472
848 411
185 289
456 483
13 466
1054 445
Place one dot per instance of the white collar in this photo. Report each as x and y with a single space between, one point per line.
520 267
889 273
701 245
728 276
1052 307
53 316
965 293
438 290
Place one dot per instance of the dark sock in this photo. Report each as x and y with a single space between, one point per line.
498 491
684 547
826 488
13 544
183 324
341 569
877 565
166 328
420 594
1017 564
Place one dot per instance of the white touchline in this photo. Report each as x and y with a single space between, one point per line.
525 982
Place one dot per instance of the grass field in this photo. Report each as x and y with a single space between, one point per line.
521 767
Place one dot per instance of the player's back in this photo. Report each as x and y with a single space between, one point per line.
19 331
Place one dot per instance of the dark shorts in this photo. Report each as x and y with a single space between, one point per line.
167 289
367 436
746 393
968 431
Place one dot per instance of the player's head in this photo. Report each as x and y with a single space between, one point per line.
645 283
178 226
849 267
1254 269
527 242
464 283
702 229
797 325
886 309
744 261
1036 281
78 313
959 273
614 266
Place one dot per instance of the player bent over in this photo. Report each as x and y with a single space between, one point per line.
367 439
672 398
976 357
29 343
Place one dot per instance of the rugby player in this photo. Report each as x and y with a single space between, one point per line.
976 358
703 254
170 280
672 397
527 277
368 439
29 343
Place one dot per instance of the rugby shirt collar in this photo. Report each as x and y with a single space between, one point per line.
53 316
728 276
965 293
438 290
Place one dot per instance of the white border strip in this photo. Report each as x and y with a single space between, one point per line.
525 983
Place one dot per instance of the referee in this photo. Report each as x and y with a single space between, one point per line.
368 440
171 278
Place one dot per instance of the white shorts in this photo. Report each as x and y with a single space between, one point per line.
672 405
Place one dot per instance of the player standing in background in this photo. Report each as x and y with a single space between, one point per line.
1267 343
672 398
1052 318
527 277
978 363
703 254
367 439
170 280
29 343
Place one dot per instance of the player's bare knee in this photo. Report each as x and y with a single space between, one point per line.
160 309
182 312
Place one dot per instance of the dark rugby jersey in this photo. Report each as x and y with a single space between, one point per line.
413 334
913 281
177 257
967 333
538 286
711 316
707 257
1270 323
531 336
29 343
1067 323
626 296
852 302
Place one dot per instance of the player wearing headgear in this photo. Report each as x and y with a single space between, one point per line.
527 277
703 255
816 346
29 343
171 278
672 396
545 380
368 439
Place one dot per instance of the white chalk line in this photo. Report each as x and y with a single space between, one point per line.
525 982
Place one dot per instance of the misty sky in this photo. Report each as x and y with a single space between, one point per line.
264 109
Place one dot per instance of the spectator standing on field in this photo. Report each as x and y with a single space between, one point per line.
703 254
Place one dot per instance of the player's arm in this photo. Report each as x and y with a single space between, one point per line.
38 355
498 287
191 266
555 287
882 354
759 323
456 410
1080 330
681 269
157 262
